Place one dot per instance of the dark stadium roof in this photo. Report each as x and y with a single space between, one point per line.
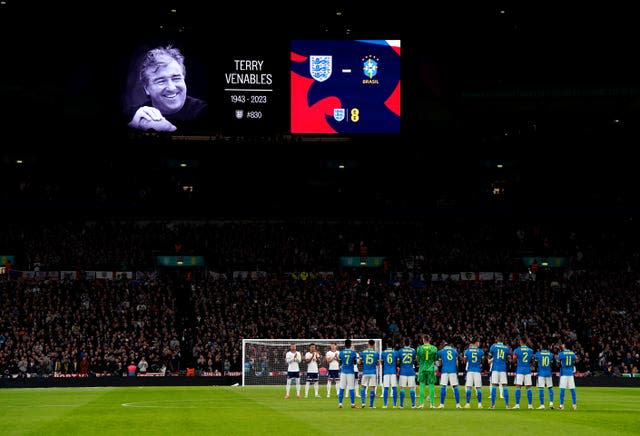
529 85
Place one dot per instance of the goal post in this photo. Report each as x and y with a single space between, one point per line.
263 360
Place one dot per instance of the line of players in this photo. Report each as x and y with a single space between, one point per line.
398 370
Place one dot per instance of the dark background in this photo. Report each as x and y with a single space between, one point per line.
549 92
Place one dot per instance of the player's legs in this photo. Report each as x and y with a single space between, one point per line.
408 381
568 382
505 388
403 382
412 390
312 377
453 381
518 383
290 377
390 381
528 384
499 381
444 378
343 385
369 381
564 384
474 379
365 383
541 385
334 375
431 381
351 386
385 390
467 389
494 388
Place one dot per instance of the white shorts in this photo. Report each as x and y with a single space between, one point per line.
368 380
499 377
346 381
567 382
474 379
523 379
449 377
545 382
407 381
389 381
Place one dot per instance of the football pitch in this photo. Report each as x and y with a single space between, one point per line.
263 410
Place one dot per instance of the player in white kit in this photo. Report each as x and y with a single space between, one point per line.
312 358
334 368
293 359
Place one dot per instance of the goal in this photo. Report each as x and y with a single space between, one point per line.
263 360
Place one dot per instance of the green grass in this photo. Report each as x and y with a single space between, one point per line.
263 410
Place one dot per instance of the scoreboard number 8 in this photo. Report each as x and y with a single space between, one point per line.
355 115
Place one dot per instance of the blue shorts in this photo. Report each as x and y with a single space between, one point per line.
312 376
334 374
293 374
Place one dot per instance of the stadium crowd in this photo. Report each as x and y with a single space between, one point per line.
103 326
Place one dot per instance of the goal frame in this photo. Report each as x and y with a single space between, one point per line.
298 340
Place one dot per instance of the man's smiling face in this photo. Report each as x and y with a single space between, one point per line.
166 87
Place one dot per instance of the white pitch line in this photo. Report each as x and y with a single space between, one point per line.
174 404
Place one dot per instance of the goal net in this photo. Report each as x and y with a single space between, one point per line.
263 360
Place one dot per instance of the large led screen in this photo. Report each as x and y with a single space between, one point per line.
182 87
345 86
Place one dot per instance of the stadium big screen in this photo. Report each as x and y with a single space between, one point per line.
236 87
345 86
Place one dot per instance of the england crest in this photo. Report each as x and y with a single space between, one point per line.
338 114
239 114
320 67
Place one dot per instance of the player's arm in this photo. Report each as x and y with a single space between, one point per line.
329 359
290 357
308 358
